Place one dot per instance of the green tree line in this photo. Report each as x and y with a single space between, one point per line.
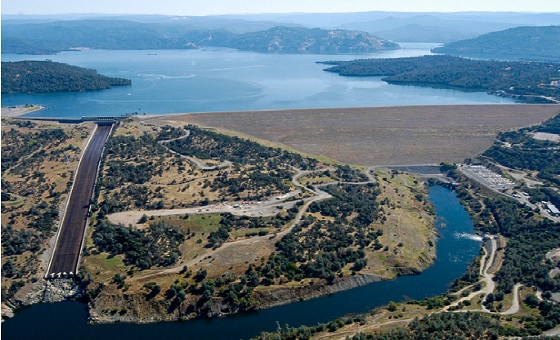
48 76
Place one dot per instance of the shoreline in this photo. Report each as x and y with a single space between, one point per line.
20 110
29 108
311 110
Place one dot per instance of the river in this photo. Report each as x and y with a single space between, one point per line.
67 320
220 79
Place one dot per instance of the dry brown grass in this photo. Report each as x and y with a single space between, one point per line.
407 228
381 135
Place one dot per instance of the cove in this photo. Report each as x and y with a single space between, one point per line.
67 320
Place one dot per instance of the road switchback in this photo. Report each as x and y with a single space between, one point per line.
64 260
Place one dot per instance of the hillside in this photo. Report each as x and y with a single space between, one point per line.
48 76
528 82
58 36
427 28
304 40
510 291
536 43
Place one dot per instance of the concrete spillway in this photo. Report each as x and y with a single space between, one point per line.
64 261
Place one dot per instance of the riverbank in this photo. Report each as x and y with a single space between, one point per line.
408 256
454 255
269 297
251 266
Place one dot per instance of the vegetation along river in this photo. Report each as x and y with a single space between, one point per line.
219 79
68 320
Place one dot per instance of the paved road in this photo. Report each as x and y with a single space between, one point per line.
71 234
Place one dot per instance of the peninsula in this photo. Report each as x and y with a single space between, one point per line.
48 76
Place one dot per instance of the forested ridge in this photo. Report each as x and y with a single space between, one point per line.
128 35
520 43
525 81
48 76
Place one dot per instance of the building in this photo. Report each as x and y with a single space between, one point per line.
553 210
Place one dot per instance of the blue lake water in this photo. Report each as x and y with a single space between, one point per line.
229 80
219 79
67 320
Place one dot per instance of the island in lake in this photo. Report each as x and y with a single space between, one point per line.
215 214
48 76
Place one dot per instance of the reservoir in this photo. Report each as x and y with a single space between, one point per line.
221 80
68 320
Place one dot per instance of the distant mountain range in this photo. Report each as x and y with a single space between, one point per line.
412 26
537 43
52 37
289 33
396 26
426 28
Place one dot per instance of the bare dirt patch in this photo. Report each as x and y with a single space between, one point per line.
547 136
15 111
381 135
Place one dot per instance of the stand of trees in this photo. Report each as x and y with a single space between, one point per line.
47 76
31 196
435 326
156 246
529 241
126 172
17 145
322 249
254 184
526 81
525 152
229 222
206 144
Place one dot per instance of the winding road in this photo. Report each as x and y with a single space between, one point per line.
318 195
197 162
486 263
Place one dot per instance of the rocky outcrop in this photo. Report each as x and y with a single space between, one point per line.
136 308
48 291
108 308
279 296
42 291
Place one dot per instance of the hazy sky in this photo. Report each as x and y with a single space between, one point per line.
209 7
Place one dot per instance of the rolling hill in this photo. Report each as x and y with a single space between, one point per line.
52 37
535 43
